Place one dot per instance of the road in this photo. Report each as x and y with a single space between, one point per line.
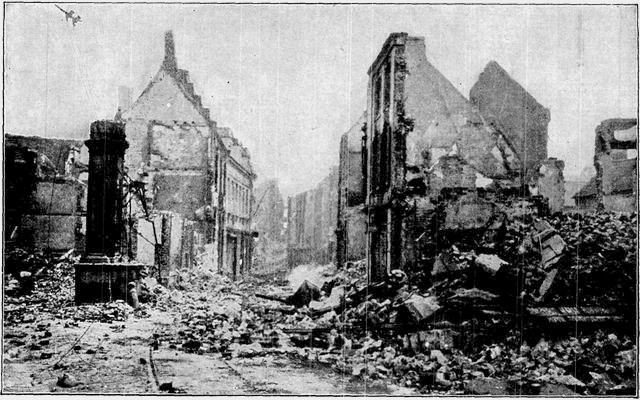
118 357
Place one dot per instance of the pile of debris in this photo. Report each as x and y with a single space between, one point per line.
470 329
36 284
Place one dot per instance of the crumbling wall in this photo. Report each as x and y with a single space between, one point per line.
444 122
180 193
548 181
178 146
424 139
356 231
57 233
44 209
509 108
350 232
615 160
163 100
62 197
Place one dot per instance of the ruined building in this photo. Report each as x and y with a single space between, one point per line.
351 225
509 108
45 201
433 160
523 122
311 223
179 159
615 186
238 201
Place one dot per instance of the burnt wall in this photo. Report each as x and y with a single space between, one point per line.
506 105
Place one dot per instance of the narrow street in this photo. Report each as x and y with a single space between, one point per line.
115 357
141 352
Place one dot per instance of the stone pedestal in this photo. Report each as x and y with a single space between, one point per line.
103 281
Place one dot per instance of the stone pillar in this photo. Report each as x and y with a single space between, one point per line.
105 198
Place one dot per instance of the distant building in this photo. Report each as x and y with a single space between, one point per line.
311 223
351 225
238 205
269 221
587 197
269 211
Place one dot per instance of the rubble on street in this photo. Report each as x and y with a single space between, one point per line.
460 334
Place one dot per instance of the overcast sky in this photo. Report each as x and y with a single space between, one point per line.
290 79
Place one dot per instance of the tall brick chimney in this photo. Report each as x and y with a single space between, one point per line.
169 62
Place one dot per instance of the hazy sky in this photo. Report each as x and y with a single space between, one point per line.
290 79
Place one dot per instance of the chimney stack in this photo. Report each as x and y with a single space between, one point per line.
169 62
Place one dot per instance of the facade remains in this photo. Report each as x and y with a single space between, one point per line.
615 186
351 225
507 107
434 162
178 155
238 206
45 201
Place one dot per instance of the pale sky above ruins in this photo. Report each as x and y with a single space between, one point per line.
289 80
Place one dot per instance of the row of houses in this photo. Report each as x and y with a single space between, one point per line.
311 223
187 182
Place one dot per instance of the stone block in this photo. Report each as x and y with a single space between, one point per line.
490 263
418 308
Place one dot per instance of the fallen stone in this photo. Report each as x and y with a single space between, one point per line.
166 387
191 345
418 308
491 263
546 284
569 380
438 356
442 339
333 302
473 295
67 381
305 293
486 386
444 263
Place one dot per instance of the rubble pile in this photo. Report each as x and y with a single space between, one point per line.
46 285
453 335
464 322
601 255
544 258
40 286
